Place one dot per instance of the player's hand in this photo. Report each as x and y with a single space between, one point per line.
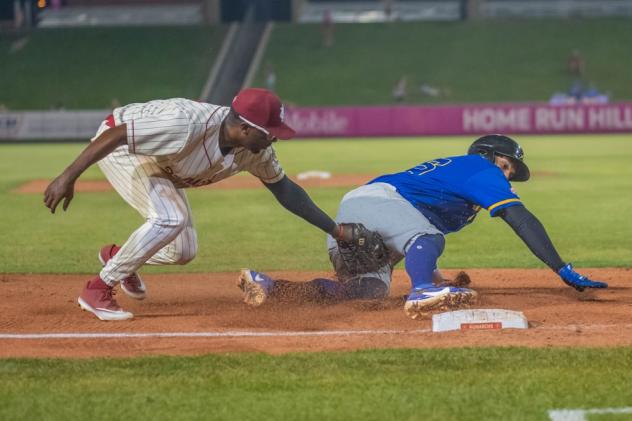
60 188
577 281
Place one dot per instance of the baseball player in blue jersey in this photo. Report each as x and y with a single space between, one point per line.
413 210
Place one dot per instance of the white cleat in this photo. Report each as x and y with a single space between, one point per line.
421 302
256 286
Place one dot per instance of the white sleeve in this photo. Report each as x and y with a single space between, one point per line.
266 166
164 133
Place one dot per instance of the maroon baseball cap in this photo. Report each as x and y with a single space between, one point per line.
263 110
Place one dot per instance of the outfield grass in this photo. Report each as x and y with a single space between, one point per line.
522 60
582 198
89 67
439 384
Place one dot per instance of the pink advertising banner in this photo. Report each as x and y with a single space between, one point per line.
531 118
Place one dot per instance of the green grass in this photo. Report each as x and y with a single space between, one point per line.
89 67
440 384
584 202
523 60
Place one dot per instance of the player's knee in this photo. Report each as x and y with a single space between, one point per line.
173 223
186 246
367 288
186 255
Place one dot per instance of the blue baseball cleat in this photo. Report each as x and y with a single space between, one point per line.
421 302
256 286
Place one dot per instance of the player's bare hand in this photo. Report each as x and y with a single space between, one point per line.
60 188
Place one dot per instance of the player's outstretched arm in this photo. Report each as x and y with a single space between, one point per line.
532 232
296 200
63 187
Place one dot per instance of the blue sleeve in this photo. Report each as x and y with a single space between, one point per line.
490 190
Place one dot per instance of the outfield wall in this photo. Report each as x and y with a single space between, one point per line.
531 118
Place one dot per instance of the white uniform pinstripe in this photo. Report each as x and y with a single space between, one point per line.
172 144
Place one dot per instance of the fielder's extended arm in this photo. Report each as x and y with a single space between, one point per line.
63 186
532 232
296 200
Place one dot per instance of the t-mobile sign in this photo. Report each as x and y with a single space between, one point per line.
460 120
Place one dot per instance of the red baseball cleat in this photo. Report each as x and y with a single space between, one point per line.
98 298
133 285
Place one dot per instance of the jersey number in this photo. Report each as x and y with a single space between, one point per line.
426 167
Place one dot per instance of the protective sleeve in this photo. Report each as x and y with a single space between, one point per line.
532 232
296 200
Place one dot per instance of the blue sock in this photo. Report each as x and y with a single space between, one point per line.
421 259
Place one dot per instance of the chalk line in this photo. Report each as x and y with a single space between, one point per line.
271 334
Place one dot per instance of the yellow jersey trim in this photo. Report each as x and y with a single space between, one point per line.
502 202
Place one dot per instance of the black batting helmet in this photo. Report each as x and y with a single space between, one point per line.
496 144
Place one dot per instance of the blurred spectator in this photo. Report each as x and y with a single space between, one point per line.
327 28
577 94
400 90
56 4
18 14
592 95
561 98
271 78
388 10
115 103
427 89
576 90
3 108
576 64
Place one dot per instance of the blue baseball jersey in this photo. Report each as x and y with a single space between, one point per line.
451 191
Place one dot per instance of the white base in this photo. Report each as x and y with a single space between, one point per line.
479 319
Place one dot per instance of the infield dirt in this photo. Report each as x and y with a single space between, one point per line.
203 303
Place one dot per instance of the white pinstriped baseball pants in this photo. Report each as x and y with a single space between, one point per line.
167 236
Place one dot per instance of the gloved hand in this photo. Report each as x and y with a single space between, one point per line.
577 281
362 250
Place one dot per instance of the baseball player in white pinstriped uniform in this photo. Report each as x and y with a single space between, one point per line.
151 152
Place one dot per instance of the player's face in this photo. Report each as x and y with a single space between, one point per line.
506 165
255 140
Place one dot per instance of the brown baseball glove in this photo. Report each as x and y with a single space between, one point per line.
362 251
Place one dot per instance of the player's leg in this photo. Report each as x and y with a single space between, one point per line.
166 211
140 182
319 291
259 288
406 232
183 248
421 259
421 255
